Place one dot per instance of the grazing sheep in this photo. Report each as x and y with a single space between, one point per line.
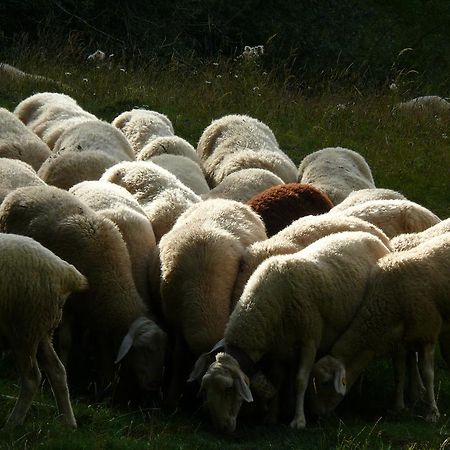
292 307
244 184
237 142
407 241
111 312
17 74
48 114
171 145
336 171
367 195
199 262
280 205
31 308
186 170
141 126
65 169
428 104
301 233
117 204
161 194
95 135
394 217
18 142
407 304
14 174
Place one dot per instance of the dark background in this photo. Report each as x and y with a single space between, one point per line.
309 36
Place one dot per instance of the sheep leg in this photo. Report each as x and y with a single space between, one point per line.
399 363
307 357
416 387
426 366
64 340
56 374
444 346
176 380
30 379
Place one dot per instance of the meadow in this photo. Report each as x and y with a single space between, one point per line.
407 153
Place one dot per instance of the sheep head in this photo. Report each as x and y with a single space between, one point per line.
146 346
328 385
225 386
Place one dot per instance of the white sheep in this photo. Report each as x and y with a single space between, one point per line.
161 194
199 262
34 285
407 241
171 145
118 205
141 126
292 307
95 135
65 169
186 170
17 74
244 184
427 104
48 114
111 312
18 142
407 304
15 173
393 216
366 195
295 237
237 142
336 171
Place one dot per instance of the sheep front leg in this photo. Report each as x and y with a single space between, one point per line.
307 357
426 366
30 381
56 374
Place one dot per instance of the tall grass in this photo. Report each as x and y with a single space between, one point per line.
408 153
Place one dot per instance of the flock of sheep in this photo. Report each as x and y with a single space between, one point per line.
158 265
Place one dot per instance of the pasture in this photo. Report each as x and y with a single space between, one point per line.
409 153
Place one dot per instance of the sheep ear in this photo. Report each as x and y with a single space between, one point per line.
243 389
340 383
200 367
125 346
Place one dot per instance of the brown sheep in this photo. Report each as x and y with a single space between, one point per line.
280 205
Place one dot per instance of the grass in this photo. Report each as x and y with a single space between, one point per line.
410 154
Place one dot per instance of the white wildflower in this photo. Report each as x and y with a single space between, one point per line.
96 56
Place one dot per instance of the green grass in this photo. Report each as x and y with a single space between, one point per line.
410 154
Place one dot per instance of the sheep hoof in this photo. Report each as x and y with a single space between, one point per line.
298 423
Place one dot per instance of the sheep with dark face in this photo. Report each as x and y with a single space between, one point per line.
406 305
292 307
200 259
